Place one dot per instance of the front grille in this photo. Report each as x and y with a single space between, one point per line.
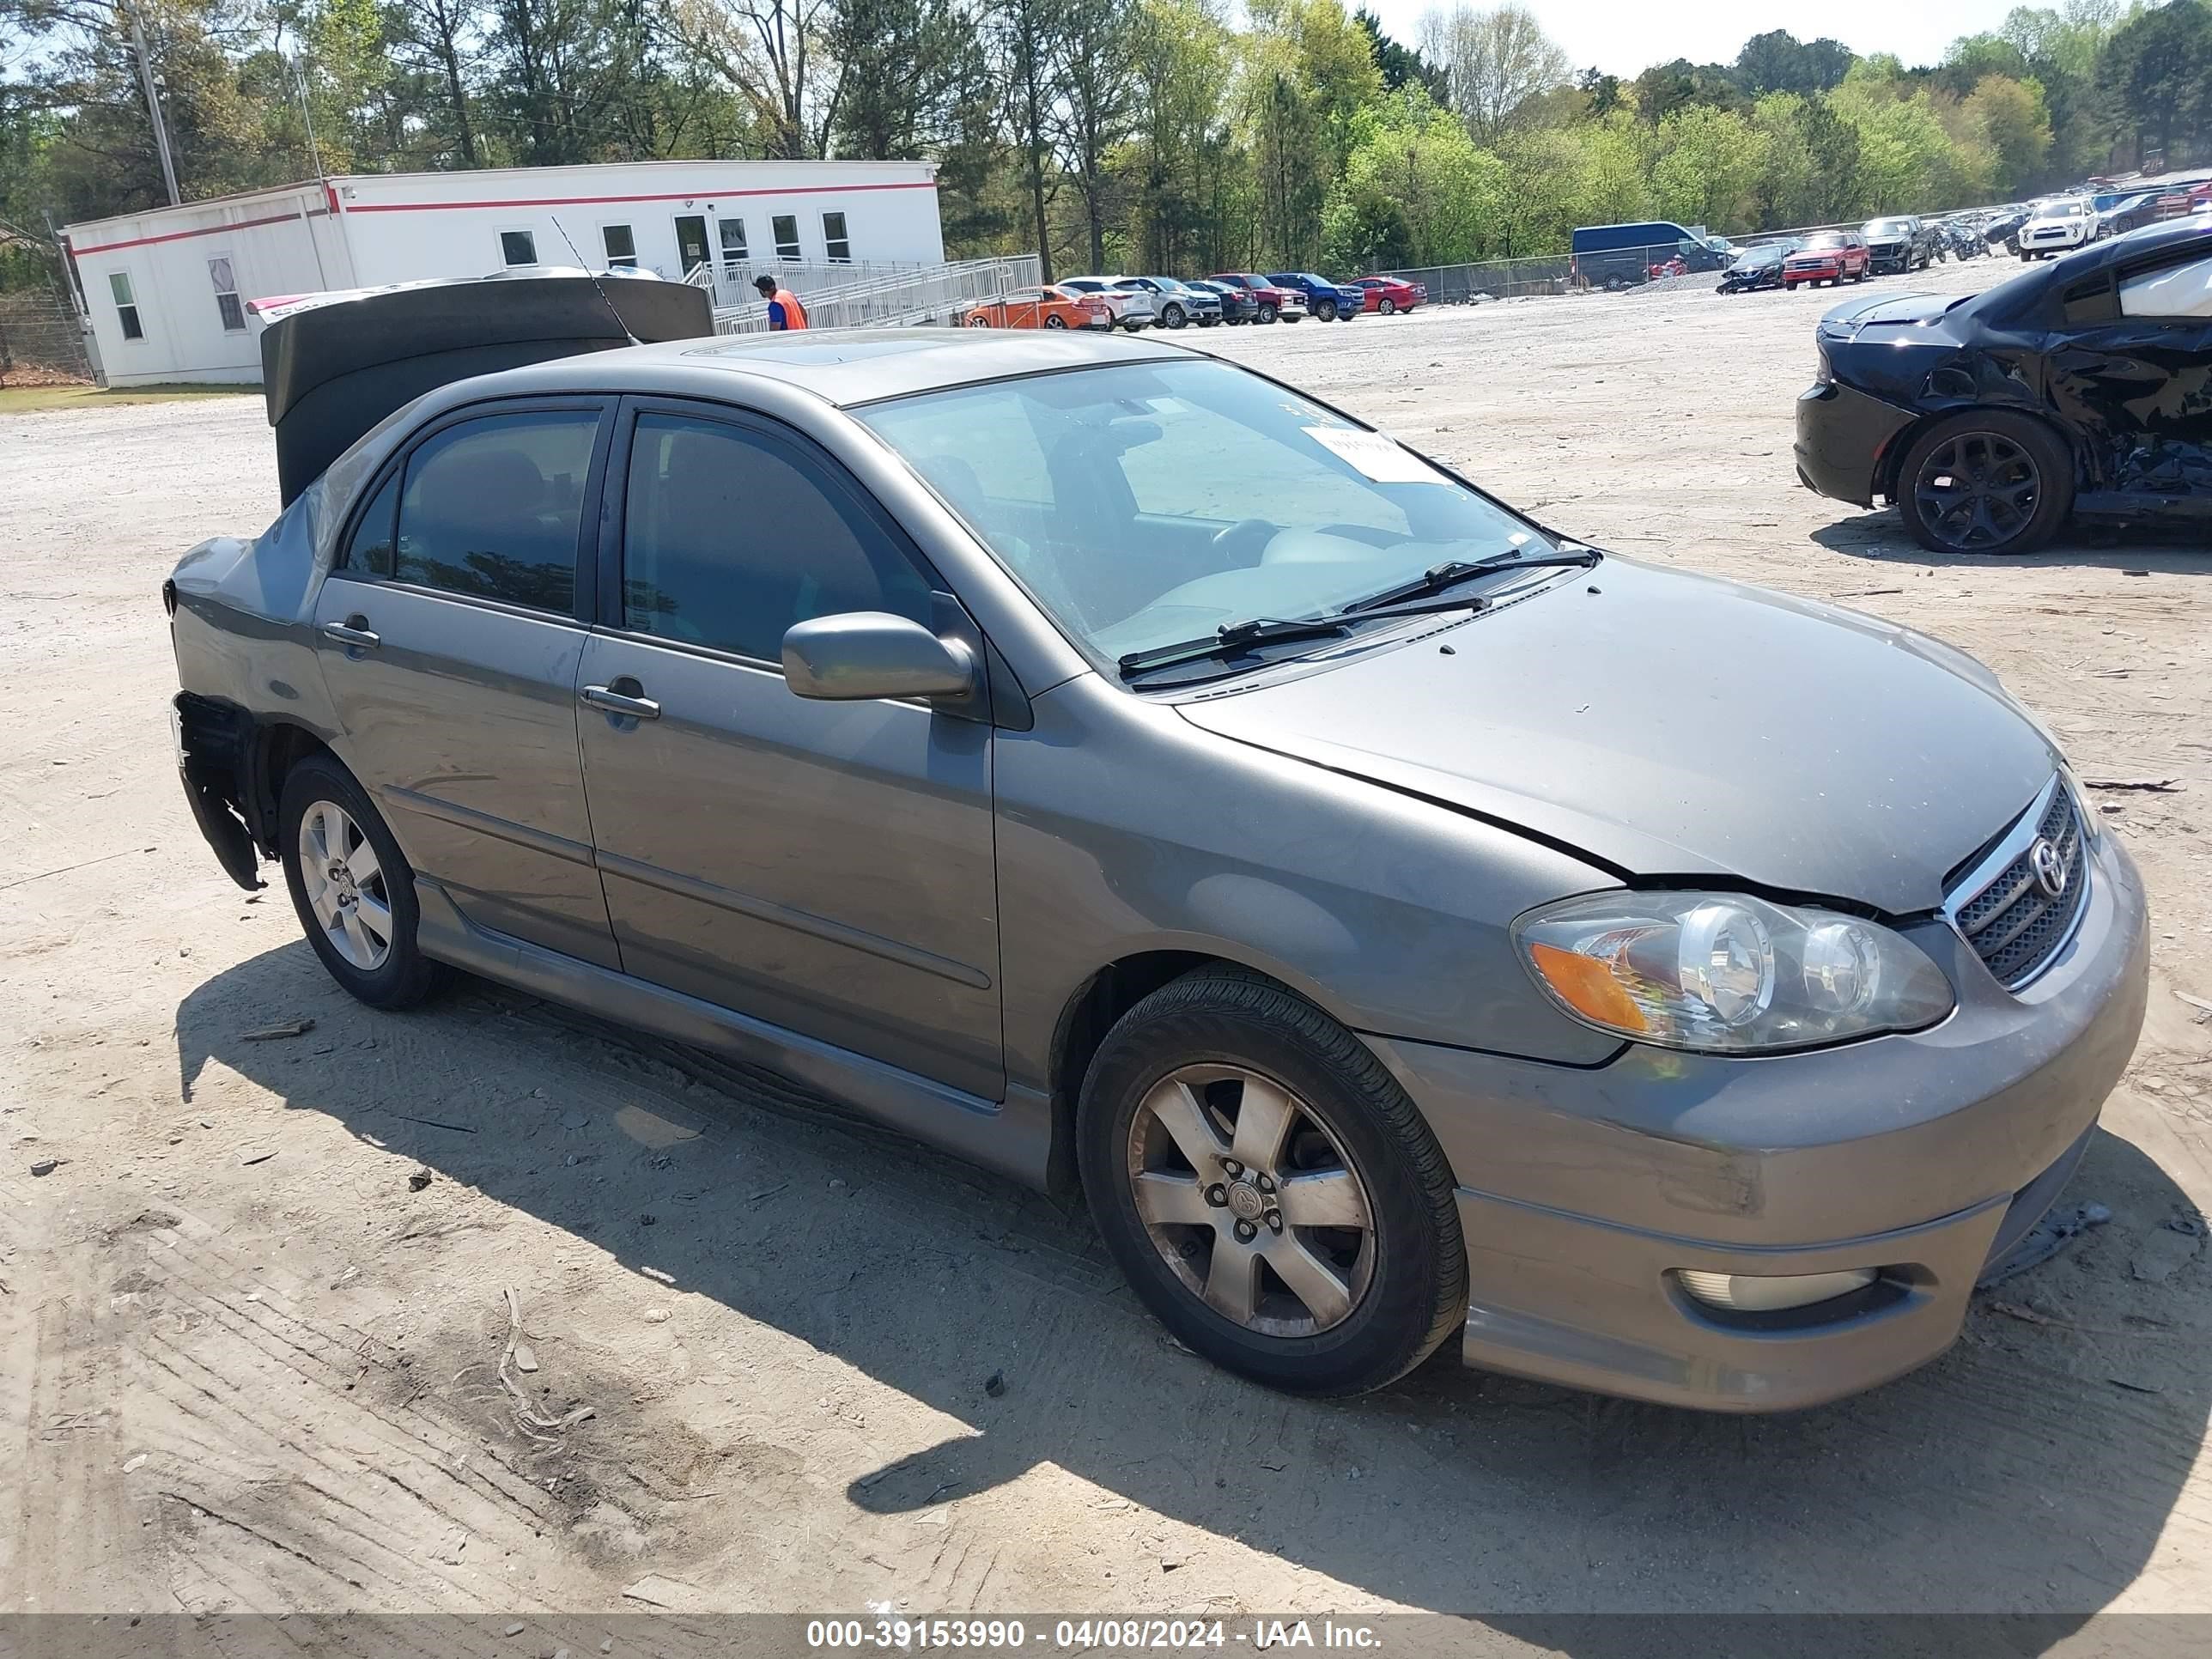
2013 924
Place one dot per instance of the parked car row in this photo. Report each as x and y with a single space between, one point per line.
1131 303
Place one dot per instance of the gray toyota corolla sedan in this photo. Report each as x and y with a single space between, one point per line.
1399 919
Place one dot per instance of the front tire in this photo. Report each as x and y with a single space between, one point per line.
1386 305
1986 481
1268 313
1272 1193
1053 320
352 887
1173 316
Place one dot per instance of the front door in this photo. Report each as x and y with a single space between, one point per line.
2139 383
826 867
449 639
691 242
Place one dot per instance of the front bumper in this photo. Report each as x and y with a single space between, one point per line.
1843 438
1830 273
1921 1156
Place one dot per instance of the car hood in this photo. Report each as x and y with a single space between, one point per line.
1666 725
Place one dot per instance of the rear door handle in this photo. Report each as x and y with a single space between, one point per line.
345 634
616 703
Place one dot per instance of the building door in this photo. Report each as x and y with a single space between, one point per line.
691 242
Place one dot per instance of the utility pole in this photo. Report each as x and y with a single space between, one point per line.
153 103
299 80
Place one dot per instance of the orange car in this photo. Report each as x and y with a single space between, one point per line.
1042 308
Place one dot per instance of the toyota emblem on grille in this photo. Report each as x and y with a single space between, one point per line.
2049 868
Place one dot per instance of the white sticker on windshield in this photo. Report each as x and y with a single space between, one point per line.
1377 457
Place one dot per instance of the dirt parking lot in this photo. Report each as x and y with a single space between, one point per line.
264 1328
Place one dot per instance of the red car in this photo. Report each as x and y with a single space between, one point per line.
1389 294
1286 303
1830 256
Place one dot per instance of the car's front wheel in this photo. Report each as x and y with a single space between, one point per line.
351 886
1173 316
1053 320
1987 482
1326 310
1386 305
1272 1193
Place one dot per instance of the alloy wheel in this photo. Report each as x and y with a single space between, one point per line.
1249 1198
1977 490
345 886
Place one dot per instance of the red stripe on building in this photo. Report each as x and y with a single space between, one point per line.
204 230
603 201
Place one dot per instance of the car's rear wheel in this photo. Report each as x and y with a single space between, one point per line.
1990 482
1055 321
351 886
1272 1193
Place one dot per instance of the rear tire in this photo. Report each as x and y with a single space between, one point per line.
1365 1295
347 828
1987 481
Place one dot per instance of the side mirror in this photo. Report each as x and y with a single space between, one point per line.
865 655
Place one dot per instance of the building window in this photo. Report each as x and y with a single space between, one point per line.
127 305
226 295
733 244
518 247
622 247
839 245
786 226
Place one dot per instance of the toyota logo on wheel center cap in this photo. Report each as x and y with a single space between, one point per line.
1245 1201
2051 874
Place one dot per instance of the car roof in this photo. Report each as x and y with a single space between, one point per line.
844 366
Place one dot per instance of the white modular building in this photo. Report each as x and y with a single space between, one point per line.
168 294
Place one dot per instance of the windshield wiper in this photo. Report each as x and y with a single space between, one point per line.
1233 636
1441 578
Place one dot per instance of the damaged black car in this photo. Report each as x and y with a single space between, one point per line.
2081 387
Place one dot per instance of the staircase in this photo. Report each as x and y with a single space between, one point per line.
896 298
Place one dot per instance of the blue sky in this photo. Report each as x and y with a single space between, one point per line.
1625 36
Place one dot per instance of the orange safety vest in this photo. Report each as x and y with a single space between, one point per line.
794 314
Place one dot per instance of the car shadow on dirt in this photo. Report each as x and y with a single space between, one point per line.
2032 1469
2167 548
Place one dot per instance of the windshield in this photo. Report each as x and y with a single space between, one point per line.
1889 228
1148 503
2062 210
1822 239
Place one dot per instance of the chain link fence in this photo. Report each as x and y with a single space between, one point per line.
41 339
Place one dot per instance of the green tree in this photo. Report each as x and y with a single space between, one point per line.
2016 126
1709 167
2155 77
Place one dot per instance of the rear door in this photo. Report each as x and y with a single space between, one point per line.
2132 370
449 638
825 867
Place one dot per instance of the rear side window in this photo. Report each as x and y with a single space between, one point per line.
2177 291
730 537
491 509
368 550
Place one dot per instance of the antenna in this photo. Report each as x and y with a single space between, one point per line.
590 276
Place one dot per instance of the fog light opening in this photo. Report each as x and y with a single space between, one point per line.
1753 1293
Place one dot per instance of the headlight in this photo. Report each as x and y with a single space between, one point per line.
1726 973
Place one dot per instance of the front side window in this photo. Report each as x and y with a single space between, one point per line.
839 245
785 227
518 247
127 305
621 244
491 509
1146 504
2177 291
226 295
730 537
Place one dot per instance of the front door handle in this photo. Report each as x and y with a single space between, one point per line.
353 633
618 702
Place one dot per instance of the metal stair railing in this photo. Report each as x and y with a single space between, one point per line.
928 294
